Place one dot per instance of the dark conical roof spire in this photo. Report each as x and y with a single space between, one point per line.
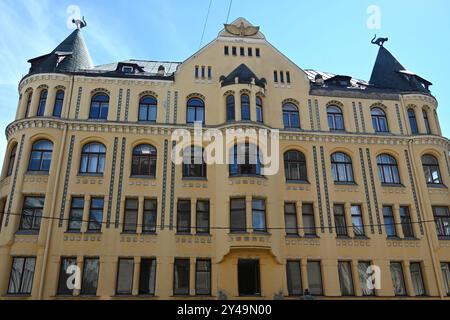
71 55
388 73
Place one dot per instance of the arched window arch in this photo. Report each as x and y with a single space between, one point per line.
426 121
148 106
431 169
11 160
388 169
93 156
245 107
144 161
231 111
41 156
42 102
28 105
295 166
259 109
245 159
194 165
195 110
379 120
291 118
342 167
335 118
99 106
413 121
59 100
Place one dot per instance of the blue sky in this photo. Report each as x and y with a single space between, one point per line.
326 35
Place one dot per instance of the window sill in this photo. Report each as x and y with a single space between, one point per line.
27 232
343 237
392 185
238 176
93 175
37 173
194 179
393 238
297 181
436 185
133 233
142 177
17 295
444 238
345 183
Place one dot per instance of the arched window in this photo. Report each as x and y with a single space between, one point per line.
93 156
194 165
426 121
231 116
431 169
195 110
388 169
259 109
27 108
291 118
11 160
99 107
144 161
379 120
295 166
245 107
148 109
413 121
42 102
341 167
59 100
245 159
335 118
41 156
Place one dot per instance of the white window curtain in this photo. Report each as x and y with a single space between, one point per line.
416 276
362 272
397 279
345 278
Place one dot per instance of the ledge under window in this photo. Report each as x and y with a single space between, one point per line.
93 175
27 232
392 185
256 176
345 183
142 177
38 173
195 178
298 181
436 185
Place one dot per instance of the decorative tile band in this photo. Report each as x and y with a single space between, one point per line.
119 105
413 187
172 188
355 116
363 121
66 182
164 185
311 118
374 191
319 194
119 190
77 109
168 107
366 190
399 118
325 186
13 188
317 114
175 108
111 182
127 104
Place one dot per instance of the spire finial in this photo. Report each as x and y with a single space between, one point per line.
380 41
80 23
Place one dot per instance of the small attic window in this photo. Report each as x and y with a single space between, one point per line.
127 69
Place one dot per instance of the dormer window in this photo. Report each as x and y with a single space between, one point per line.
127 69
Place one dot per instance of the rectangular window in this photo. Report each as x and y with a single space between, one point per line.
442 218
250 52
181 277
238 219
65 272
242 51
147 277
315 278
22 274
339 220
249 277
226 50
131 216
234 51
150 216
417 278
398 281
290 218
125 277
203 277
202 217
288 77
363 267
345 278
281 77
294 278
259 215
389 222
357 221
203 72
76 214
184 216
32 213
257 52
309 224
196 72
96 215
405 219
275 76
209 72
445 268
89 281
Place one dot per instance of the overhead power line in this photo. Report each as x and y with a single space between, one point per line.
229 10
206 22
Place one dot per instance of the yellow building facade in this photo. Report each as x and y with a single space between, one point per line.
88 180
